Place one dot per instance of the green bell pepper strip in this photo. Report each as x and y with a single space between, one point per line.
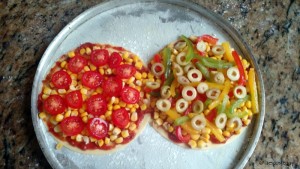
190 51
203 70
222 107
181 120
207 102
212 63
169 80
230 113
167 61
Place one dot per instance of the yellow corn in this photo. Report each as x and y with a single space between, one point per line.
200 144
63 64
62 91
132 126
150 76
134 116
88 50
125 55
192 143
71 54
226 133
108 113
248 104
195 136
59 146
159 121
107 141
133 109
59 117
113 137
82 51
116 131
116 107
42 115
139 65
170 129
109 107
68 113
45 96
100 143
119 140
122 104
125 133
144 75
143 107
85 119
138 75
101 71
93 68
86 68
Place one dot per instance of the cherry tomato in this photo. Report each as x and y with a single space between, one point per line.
91 79
130 95
96 105
125 71
72 125
112 86
120 118
99 57
97 128
74 99
61 79
54 104
180 137
114 60
77 63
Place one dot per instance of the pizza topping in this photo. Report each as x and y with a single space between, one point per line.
61 79
71 126
77 63
54 104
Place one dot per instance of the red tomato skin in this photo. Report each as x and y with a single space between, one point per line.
211 115
96 105
99 57
115 60
91 79
54 100
72 125
112 86
61 80
178 133
120 118
97 128
77 63
130 95
84 46
125 71
74 99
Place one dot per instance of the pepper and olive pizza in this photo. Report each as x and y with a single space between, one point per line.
203 92
92 98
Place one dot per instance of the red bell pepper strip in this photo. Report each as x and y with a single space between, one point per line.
211 115
157 58
179 135
188 110
242 79
208 39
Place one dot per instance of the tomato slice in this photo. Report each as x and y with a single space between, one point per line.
180 137
115 60
74 99
61 79
125 71
96 105
130 95
91 79
72 125
54 104
112 86
120 117
97 128
99 57
77 63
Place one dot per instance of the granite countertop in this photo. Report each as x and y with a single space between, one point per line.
271 28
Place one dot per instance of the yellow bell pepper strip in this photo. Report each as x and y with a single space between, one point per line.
213 63
207 102
215 85
231 113
253 91
215 131
227 55
222 107
173 114
173 87
238 62
190 51
166 53
181 120
225 92
203 70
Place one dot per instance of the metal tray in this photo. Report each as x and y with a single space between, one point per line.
144 27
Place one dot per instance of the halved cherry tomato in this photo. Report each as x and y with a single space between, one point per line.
211 115
74 99
72 125
179 135
112 86
114 60
120 117
91 79
77 63
125 71
99 57
97 128
61 79
130 95
54 104
96 105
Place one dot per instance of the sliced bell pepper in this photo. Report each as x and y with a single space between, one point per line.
179 135
213 63
211 115
215 131
238 62
222 107
230 113
190 51
215 85
167 61
203 70
173 114
224 92
227 55
157 58
188 110
181 120
208 39
173 87
253 91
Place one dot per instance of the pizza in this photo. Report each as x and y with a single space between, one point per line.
203 92
92 99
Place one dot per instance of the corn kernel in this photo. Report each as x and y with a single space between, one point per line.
42 115
248 104
85 119
226 133
132 126
109 107
116 131
113 137
195 136
88 51
68 113
57 129
133 109
150 75
108 113
110 127
159 121
139 65
103 117
122 104
125 55
138 75
82 51
170 129
144 75
78 138
143 107
45 96
47 90
63 64
59 146
119 140
54 92
116 107
107 141
134 116
200 144
59 117
125 133
83 114
74 113
131 80
62 91
192 143
206 130
86 68
93 140
100 143
130 60
101 71
71 54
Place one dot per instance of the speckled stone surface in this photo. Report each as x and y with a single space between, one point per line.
271 28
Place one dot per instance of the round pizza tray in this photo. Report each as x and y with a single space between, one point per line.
144 27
